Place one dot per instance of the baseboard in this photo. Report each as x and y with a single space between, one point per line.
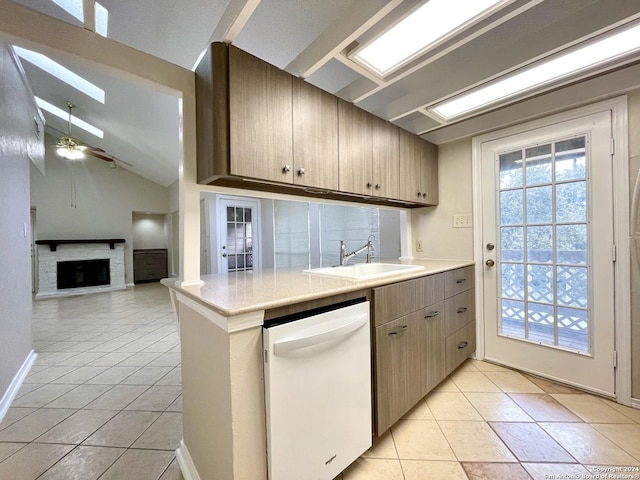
16 383
185 463
635 403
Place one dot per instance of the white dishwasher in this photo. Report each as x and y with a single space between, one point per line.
318 391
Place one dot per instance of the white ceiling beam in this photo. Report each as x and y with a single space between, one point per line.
340 35
233 20
62 41
89 14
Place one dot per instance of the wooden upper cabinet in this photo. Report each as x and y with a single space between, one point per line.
418 169
385 159
315 136
355 155
260 113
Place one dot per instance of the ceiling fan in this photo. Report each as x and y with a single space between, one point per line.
71 148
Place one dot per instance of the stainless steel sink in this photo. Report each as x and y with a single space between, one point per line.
364 271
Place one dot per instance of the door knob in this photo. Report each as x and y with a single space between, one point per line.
224 255
489 263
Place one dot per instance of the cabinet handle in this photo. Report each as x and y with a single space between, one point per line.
461 280
424 195
377 186
419 194
301 172
402 330
462 345
462 310
286 169
369 185
432 314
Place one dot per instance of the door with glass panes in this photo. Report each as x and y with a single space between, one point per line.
547 242
238 229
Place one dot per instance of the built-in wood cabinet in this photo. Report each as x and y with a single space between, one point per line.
149 264
418 169
423 331
315 136
259 127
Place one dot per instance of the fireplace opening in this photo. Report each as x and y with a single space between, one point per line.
83 273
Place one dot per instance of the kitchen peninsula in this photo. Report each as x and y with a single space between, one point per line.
222 356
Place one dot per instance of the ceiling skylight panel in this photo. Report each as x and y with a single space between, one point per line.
58 112
432 22
101 19
70 78
589 56
72 7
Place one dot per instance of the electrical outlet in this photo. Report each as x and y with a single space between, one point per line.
462 221
419 246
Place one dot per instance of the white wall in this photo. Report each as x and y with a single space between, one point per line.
17 142
149 230
88 199
434 225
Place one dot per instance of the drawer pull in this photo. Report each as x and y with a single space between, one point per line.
461 280
402 330
462 310
462 345
432 314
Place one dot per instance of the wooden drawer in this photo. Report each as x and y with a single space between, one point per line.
429 290
459 280
460 310
394 301
460 345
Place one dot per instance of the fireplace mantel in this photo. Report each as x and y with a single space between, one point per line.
53 244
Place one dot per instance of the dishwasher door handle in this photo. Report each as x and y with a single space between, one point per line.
291 344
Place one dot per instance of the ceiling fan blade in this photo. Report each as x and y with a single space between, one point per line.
93 153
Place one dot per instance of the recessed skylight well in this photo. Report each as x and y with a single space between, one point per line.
70 78
101 19
72 7
58 112
547 71
426 26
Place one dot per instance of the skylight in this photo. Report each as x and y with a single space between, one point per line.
72 7
64 74
434 21
102 19
589 56
58 112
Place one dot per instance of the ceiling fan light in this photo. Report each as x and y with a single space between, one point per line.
73 154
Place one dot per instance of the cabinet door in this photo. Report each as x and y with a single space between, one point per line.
354 150
260 119
409 168
428 155
396 357
386 159
394 300
315 136
432 336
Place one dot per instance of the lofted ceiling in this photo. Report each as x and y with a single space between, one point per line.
313 39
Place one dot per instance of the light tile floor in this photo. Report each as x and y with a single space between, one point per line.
103 398
103 401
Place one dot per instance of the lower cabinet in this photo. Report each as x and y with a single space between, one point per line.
415 352
149 265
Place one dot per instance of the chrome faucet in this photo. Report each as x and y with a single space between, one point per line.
345 257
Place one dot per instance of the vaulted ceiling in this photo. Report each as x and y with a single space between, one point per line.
313 39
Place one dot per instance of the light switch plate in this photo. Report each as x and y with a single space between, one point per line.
462 221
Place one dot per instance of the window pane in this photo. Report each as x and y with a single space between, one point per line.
513 315
538 162
540 283
511 244
511 169
513 280
247 215
539 205
572 244
540 244
571 202
511 207
573 286
570 159
541 323
573 328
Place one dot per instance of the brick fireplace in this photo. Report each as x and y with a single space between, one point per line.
72 267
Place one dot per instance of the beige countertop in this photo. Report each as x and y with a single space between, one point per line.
237 293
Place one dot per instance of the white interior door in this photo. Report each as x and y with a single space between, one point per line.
547 216
238 228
